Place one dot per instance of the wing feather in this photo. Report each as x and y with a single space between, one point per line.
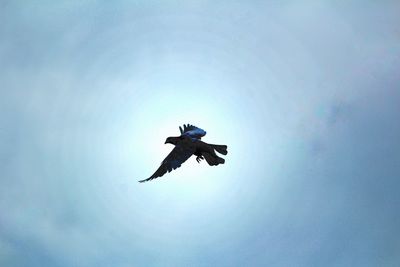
192 131
174 160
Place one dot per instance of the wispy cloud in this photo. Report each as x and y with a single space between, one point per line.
304 94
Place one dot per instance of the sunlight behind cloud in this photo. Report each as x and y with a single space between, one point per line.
303 94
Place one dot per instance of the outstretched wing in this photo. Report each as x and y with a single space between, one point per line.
174 160
192 131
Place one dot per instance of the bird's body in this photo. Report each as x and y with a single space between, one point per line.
186 145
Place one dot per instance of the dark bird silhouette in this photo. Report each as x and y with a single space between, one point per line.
187 144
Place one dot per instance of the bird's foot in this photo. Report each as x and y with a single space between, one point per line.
199 158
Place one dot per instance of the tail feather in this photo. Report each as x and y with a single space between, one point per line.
221 149
213 160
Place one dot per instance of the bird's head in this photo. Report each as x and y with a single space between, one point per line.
172 140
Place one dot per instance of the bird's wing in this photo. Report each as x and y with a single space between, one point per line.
174 160
192 131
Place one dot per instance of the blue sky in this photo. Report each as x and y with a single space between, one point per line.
305 94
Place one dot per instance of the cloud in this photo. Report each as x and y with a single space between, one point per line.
305 98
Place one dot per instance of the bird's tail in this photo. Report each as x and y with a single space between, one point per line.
221 149
213 160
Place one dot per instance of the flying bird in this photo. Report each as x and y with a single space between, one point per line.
187 144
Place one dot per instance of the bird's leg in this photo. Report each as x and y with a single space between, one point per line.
199 158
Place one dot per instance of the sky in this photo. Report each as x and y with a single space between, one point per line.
305 94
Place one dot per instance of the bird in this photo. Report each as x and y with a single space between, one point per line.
187 144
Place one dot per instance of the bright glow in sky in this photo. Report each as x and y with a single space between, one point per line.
305 94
